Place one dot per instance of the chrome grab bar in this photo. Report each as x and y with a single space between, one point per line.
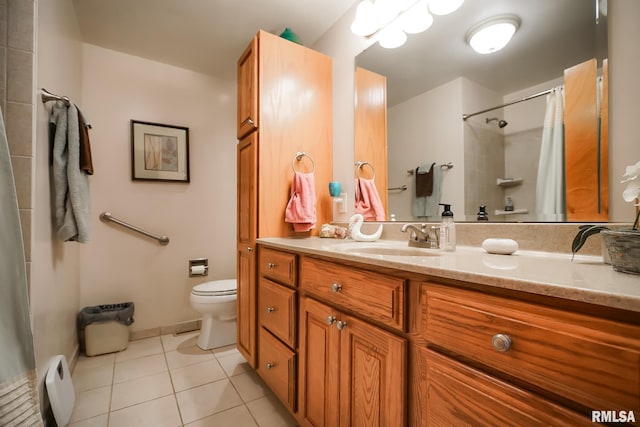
106 217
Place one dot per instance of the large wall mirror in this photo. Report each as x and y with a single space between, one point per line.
496 158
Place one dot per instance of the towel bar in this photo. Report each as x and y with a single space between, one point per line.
48 96
106 217
298 156
361 164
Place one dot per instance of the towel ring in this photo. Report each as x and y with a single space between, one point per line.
359 165
297 157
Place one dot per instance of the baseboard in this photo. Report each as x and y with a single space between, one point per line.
178 328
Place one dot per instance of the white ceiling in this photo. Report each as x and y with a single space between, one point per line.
553 35
207 36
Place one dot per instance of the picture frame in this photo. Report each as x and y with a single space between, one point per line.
159 152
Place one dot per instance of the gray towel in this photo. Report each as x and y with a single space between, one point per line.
427 206
70 183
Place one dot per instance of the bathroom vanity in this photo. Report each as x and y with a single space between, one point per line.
370 334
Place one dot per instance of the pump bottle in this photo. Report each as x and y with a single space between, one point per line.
447 230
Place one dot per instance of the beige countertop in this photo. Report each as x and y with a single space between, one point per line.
585 279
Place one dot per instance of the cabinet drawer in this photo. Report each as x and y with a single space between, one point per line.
277 367
277 265
592 361
277 310
460 395
373 295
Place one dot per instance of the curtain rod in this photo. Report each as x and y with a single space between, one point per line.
546 92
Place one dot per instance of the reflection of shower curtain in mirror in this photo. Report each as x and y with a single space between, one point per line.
550 197
18 379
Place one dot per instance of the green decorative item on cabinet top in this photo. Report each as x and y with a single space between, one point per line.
291 36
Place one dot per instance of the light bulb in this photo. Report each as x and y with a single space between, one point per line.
444 7
417 19
392 36
366 21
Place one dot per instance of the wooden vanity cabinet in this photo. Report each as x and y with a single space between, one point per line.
248 90
246 248
278 323
352 372
521 363
284 107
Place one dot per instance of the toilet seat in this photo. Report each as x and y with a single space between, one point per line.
216 288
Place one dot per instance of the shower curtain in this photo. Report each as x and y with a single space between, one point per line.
550 194
18 379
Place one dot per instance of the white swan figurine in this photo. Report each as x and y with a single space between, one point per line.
355 224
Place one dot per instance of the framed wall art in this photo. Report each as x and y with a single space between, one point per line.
159 152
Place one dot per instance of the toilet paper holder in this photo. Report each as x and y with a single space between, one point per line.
198 267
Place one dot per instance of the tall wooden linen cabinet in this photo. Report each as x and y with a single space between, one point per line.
284 108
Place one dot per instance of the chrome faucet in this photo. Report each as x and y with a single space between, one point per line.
423 237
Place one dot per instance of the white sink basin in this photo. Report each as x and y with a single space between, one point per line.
387 249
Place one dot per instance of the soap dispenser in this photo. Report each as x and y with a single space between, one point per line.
482 213
447 229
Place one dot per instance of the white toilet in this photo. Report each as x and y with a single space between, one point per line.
216 301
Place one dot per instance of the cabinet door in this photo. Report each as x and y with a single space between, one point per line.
246 270
459 395
319 365
373 368
248 90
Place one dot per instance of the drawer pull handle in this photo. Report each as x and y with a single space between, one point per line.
248 120
336 287
331 320
270 310
271 265
269 365
501 342
341 325
249 249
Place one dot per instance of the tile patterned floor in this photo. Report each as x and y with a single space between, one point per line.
168 381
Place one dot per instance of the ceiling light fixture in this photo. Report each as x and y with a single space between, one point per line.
444 7
392 20
493 34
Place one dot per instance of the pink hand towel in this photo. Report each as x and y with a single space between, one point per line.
301 209
368 202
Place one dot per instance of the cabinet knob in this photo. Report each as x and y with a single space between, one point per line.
341 325
269 365
330 320
270 310
336 287
249 249
248 120
501 342
270 265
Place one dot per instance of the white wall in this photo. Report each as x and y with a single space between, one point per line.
423 130
624 96
340 43
55 271
199 217
624 93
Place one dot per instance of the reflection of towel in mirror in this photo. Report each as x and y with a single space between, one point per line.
71 184
368 202
427 206
301 209
424 181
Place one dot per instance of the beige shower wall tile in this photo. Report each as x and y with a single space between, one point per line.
3 22
18 119
22 167
19 76
20 23
25 222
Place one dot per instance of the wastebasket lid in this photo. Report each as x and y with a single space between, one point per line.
216 287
